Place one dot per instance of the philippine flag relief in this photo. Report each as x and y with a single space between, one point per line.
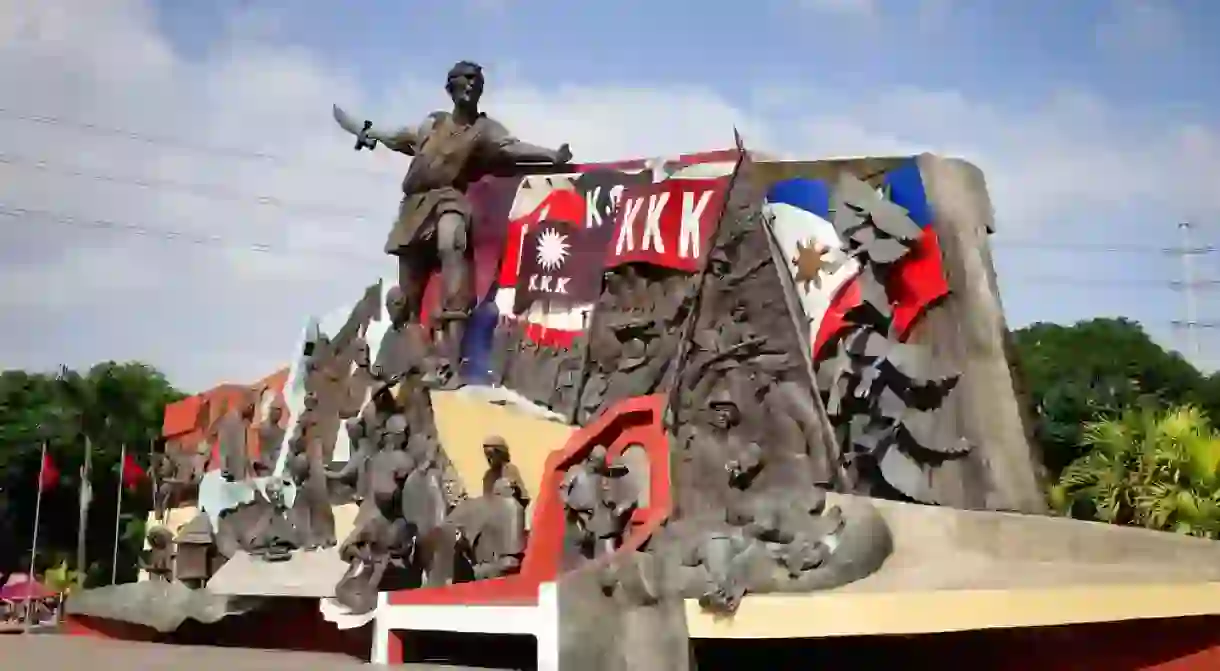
800 210
801 221
918 280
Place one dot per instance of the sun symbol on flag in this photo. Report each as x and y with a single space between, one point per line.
809 263
553 249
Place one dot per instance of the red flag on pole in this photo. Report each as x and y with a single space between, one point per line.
48 474
131 472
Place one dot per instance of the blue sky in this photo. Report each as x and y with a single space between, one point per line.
1006 51
1096 121
1149 62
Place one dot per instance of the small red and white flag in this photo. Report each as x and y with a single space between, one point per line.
48 474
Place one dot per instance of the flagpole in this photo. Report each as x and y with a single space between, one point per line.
153 462
82 522
586 328
42 468
743 161
118 515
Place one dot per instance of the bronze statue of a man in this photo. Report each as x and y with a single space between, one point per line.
451 151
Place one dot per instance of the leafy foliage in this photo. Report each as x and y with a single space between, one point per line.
113 404
1159 470
61 578
1099 368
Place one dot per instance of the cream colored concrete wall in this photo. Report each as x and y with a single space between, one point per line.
956 570
462 422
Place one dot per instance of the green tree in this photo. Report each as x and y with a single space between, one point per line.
115 404
1150 468
1209 396
1097 368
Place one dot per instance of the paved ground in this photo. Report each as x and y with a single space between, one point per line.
40 652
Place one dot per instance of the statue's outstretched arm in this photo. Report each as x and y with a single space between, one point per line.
403 140
508 149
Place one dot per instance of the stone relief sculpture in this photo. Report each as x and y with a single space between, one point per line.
451 150
177 472
638 337
292 510
884 395
158 560
751 441
599 503
196 557
406 495
756 437
270 439
491 528
784 542
230 435
311 512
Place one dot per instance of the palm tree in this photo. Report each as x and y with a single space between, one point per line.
1159 470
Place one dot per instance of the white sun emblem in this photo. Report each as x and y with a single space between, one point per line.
553 249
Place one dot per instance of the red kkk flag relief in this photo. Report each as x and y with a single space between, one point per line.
669 223
564 232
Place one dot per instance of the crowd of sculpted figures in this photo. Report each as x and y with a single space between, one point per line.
411 509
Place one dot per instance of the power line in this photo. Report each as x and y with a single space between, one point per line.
174 235
1191 322
1137 248
213 192
173 143
209 192
229 152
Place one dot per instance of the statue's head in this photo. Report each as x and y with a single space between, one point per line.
159 537
395 304
298 466
275 413
465 83
597 456
249 406
276 494
397 424
738 312
724 411
495 449
633 354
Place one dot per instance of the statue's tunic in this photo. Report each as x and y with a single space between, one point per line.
449 158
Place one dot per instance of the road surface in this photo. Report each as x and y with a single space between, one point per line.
49 652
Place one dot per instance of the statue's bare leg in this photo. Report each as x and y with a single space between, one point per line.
414 267
453 248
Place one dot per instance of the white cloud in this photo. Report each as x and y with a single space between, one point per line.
208 314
